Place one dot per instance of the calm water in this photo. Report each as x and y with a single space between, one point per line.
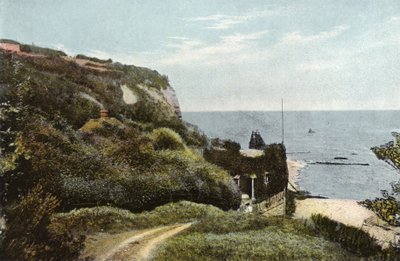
348 134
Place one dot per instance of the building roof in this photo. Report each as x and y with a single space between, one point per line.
252 153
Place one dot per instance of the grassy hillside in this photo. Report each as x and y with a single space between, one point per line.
55 147
221 235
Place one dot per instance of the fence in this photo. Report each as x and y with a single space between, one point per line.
270 202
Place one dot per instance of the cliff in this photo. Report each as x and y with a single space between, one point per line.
125 90
139 156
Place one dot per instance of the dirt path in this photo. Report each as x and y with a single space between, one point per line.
147 249
142 245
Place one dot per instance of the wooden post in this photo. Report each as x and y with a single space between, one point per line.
283 126
253 177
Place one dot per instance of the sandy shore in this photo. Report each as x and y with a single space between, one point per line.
294 167
350 213
345 211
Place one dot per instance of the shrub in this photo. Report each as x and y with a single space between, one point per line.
351 238
290 202
45 51
386 208
93 59
91 220
28 236
231 221
8 41
166 139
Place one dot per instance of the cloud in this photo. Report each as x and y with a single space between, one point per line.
222 21
263 66
319 66
297 37
187 51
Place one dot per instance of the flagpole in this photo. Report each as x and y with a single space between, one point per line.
283 126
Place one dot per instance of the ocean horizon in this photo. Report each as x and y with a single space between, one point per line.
346 134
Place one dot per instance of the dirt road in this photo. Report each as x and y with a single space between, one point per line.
141 246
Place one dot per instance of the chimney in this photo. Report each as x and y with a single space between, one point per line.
103 114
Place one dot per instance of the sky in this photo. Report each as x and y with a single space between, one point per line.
233 55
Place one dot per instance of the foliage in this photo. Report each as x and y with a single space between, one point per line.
290 207
386 208
93 59
8 41
91 220
166 139
351 238
391 154
28 235
259 239
40 50
273 161
231 221
51 134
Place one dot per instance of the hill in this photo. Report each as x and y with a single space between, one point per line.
57 150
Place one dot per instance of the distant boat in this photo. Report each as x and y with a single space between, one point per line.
311 131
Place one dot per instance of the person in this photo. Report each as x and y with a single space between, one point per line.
248 208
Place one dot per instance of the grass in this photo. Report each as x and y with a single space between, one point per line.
113 220
216 234
270 243
237 236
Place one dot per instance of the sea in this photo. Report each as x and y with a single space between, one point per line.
346 134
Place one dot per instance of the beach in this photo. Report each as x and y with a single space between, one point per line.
294 167
346 211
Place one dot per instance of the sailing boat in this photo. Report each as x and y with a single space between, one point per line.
310 131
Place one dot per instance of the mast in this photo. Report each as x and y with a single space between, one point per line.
283 126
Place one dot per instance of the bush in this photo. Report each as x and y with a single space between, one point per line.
91 220
166 139
386 208
351 238
290 208
45 51
28 236
8 41
93 59
231 221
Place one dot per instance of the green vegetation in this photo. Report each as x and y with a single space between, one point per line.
113 220
290 208
166 139
8 41
67 174
238 236
40 50
390 154
267 244
93 59
30 236
226 154
351 238
387 207
137 159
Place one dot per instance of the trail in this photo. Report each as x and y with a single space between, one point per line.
141 246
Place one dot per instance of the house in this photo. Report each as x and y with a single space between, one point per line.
259 174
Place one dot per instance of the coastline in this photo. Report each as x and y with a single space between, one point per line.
346 211
350 213
294 167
